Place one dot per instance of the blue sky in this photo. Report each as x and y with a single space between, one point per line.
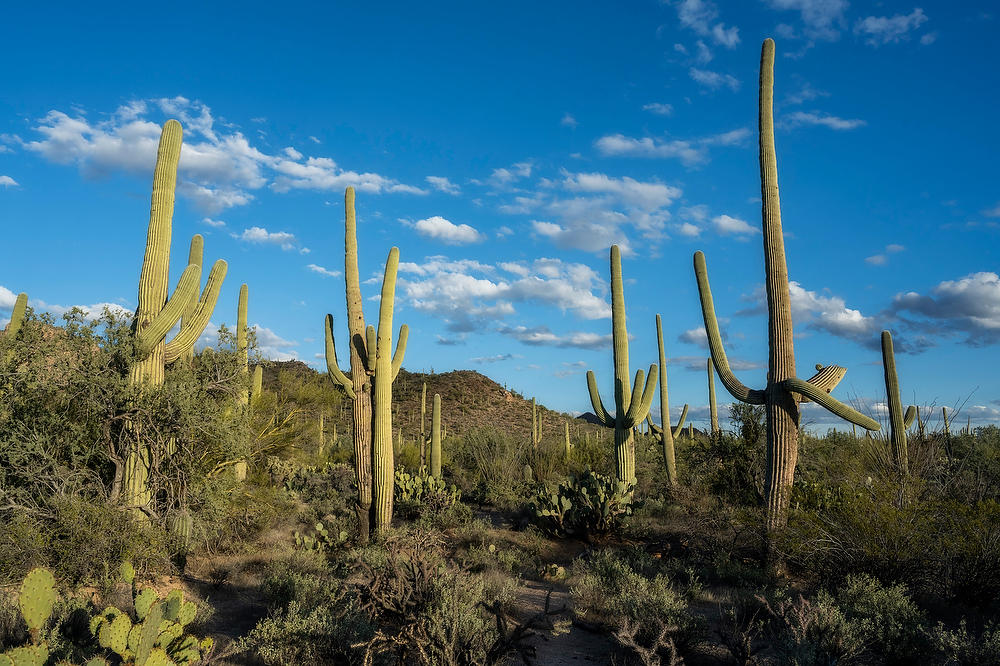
503 148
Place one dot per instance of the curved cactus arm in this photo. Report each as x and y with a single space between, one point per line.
153 333
17 315
595 399
195 323
397 356
909 416
680 424
729 380
332 366
371 349
826 378
257 385
641 402
831 404
653 428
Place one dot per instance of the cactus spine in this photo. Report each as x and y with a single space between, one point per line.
156 314
712 407
631 407
784 390
898 421
436 438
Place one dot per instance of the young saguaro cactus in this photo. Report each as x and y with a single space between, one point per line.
898 421
664 433
371 376
536 426
631 407
713 409
784 390
16 316
436 438
423 425
156 314
242 346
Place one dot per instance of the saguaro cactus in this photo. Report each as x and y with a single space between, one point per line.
242 348
898 421
568 444
664 433
16 316
784 390
436 438
155 314
713 409
423 425
374 361
536 426
631 407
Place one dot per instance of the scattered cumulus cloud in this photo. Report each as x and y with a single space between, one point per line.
261 236
442 184
804 118
969 305
322 271
568 121
882 258
438 228
7 181
714 80
658 108
690 152
881 30
700 16
213 223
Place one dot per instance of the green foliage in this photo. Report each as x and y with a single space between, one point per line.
585 505
628 593
423 493
494 461
322 539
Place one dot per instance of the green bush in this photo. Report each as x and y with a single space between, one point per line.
586 505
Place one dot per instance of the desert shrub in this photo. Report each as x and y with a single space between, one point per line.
329 490
886 620
729 467
229 515
812 632
585 505
496 461
589 453
960 647
641 607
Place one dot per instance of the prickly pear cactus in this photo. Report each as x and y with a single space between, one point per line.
37 597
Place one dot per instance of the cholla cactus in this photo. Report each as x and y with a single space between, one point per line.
156 314
784 390
631 407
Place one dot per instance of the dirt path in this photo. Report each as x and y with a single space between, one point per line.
577 646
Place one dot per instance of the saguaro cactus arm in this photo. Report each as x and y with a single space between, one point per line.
332 366
680 423
371 346
908 417
897 421
194 322
595 399
397 356
151 333
828 377
641 400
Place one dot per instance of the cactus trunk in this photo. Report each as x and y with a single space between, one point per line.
897 429
666 434
242 349
569 445
436 438
423 425
712 408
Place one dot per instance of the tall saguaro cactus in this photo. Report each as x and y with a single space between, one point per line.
370 385
436 437
156 314
713 409
568 446
423 425
631 406
898 421
784 390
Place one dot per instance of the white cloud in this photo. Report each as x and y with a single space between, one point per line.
728 225
799 118
695 336
7 181
928 38
822 19
806 94
468 295
7 298
218 168
442 184
260 235
568 121
213 223
542 336
970 305
505 177
322 271
272 346
658 108
496 358
439 228
879 30
882 259
714 80
619 144
993 212
700 15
